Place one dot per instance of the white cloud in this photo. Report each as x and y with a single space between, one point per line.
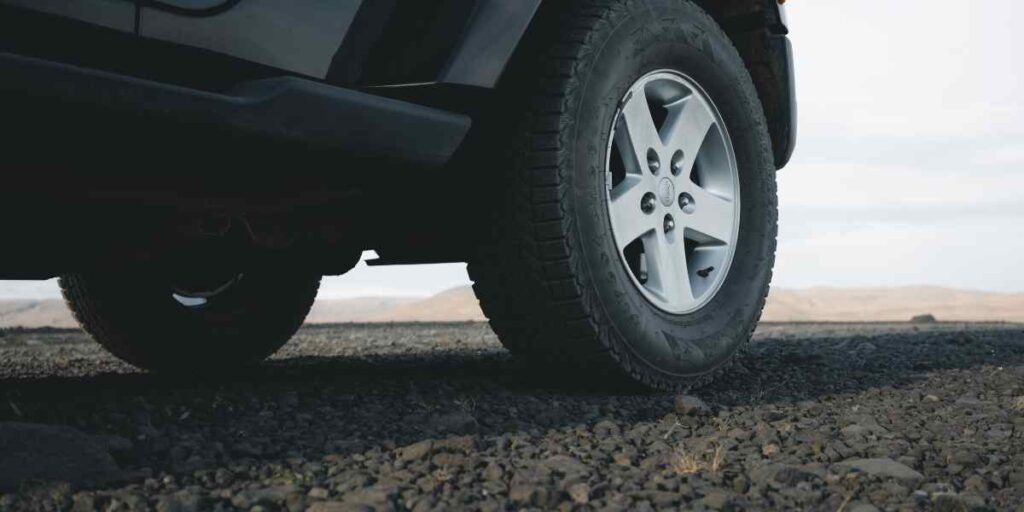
32 290
908 166
909 68
972 253
845 186
1002 156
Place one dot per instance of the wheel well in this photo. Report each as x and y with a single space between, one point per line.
759 34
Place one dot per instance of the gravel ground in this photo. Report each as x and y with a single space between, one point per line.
433 417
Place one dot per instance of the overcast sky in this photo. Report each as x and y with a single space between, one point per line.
909 161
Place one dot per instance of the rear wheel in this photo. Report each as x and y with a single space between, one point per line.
638 233
170 324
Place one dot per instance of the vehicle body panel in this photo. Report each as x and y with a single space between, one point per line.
300 36
193 7
484 50
361 43
204 65
115 14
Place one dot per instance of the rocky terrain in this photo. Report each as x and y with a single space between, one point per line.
437 417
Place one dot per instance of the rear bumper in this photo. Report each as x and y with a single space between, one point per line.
296 111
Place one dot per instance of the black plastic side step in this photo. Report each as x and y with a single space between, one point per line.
312 113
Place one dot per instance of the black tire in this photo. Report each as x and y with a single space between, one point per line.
550 279
136 318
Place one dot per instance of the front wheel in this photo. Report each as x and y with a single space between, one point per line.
637 237
172 325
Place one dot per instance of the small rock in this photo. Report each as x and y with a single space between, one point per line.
860 506
182 501
948 502
580 493
931 398
769 449
606 428
55 453
718 499
493 471
690 405
565 465
81 502
318 493
740 484
330 506
855 431
449 460
780 475
882 468
461 443
378 497
976 484
416 451
267 496
529 494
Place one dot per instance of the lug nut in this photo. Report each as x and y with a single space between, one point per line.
670 223
686 203
648 203
677 163
653 162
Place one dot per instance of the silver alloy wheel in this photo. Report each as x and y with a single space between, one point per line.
673 191
199 298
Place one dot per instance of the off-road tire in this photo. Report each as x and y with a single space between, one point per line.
137 319
549 277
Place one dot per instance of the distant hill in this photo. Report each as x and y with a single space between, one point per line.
35 313
459 305
892 304
354 310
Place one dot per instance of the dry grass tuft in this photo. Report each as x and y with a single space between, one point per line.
684 462
716 460
442 475
1018 404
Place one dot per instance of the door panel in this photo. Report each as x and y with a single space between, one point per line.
116 14
299 35
192 5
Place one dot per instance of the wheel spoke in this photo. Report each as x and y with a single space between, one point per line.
668 275
688 124
639 131
712 216
628 221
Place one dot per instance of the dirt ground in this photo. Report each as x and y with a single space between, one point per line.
852 417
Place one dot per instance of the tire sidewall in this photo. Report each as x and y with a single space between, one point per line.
135 316
674 36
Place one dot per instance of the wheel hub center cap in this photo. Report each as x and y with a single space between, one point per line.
666 192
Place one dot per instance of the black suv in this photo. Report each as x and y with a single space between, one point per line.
191 168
